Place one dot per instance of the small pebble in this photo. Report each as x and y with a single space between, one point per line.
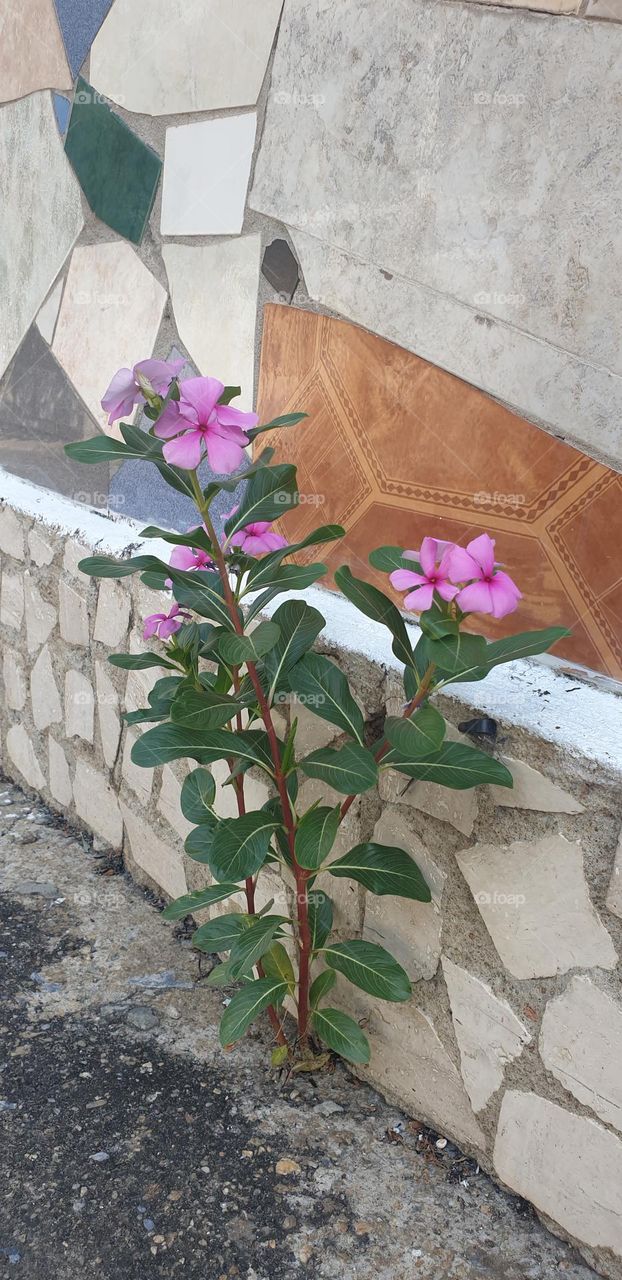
441 1143
149 1224
286 1166
100 1157
142 1017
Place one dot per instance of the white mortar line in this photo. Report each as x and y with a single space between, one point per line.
581 719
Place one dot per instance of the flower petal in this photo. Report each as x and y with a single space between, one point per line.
170 422
505 594
476 598
229 416
402 579
159 373
427 555
461 567
185 451
121 395
183 558
420 599
445 589
224 455
202 394
482 549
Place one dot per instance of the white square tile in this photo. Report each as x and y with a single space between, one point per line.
206 172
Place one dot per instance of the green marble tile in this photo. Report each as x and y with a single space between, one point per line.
118 173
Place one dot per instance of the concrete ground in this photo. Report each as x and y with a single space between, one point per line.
132 1147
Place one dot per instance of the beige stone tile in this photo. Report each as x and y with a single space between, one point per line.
44 695
488 1032
537 1147
60 777
40 616
79 706
15 689
139 779
12 600
96 803
32 55
614 894
611 10
163 863
41 551
73 615
169 803
107 700
11 534
410 930
532 790
21 751
113 613
581 1044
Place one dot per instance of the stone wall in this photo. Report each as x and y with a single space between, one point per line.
511 1045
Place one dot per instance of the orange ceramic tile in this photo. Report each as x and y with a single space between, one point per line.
395 449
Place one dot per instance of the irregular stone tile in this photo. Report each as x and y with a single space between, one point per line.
537 1146
41 551
11 534
534 901
14 681
34 175
73 615
280 269
60 778
74 552
139 779
220 339
458 808
350 458
163 863
79 706
80 21
44 695
109 319
108 713
198 59
206 171
21 751
40 616
488 1032
31 50
344 166
581 1043
48 315
35 397
12 600
532 790
96 803
118 172
411 931
113 613
614 894
62 111
608 9
169 803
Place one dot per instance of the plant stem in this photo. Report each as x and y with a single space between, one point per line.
302 904
415 702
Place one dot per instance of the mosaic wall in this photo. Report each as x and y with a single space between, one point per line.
169 167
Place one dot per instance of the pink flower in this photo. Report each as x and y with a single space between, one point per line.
190 557
128 385
489 589
164 625
435 576
202 420
255 539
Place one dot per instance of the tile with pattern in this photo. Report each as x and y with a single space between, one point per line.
80 21
396 448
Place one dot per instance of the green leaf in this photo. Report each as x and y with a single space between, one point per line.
350 770
290 577
247 1004
190 902
315 836
277 964
108 567
418 736
221 933
377 606
240 845
172 742
262 571
454 766
202 592
324 689
341 1033
525 645
249 648
101 448
436 622
321 986
270 493
279 1055
193 538
203 710
253 942
320 910
383 869
221 976
139 661
199 841
285 420
229 394
299 626
369 967
198 793
386 559
459 655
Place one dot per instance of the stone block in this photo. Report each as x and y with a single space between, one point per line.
40 616
12 600
532 790
60 777
73 554
79 706
163 863
96 803
410 930
488 1032
534 901
169 803
567 1165
11 534
581 1044
21 751
614 893
14 675
73 615
44 695
113 613
107 700
41 551
139 779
